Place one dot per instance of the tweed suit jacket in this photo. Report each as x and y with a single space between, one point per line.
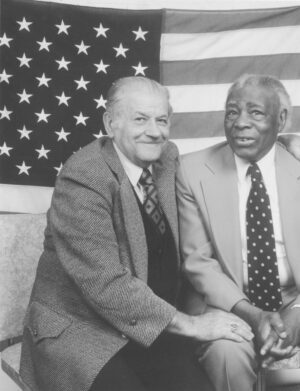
90 294
209 224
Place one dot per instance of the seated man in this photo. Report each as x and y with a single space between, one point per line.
239 221
102 314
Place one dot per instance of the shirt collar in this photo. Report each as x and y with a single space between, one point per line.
265 164
133 171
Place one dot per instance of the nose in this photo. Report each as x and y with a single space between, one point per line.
242 121
152 129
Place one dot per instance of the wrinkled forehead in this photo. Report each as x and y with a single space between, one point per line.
252 94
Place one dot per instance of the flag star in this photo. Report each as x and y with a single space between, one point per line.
63 28
42 116
24 96
44 44
24 61
5 113
101 31
24 25
4 77
100 102
80 119
58 168
139 69
121 51
43 80
62 135
63 99
24 133
63 63
140 34
4 40
98 135
43 152
5 149
101 67
23 169
81 83
82 48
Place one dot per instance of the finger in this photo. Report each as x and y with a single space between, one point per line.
280 353
268 344
242 331
267 362
278 326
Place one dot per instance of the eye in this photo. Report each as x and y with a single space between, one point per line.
231 114
140 120
163 121
257 114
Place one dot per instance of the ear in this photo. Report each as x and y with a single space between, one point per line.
107 121
282 119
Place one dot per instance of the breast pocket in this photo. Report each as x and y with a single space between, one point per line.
43 322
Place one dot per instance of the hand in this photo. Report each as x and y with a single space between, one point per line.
291 320
218 324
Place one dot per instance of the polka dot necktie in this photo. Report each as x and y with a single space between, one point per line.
263 277
151 203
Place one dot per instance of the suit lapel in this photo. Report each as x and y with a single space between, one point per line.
288 183
221 197
133 225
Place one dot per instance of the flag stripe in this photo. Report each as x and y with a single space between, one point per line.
211 97
255 42
213 21
225 70
210 124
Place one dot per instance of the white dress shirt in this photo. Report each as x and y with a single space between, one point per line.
133 172
267 168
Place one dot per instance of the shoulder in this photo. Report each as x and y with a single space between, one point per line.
202 156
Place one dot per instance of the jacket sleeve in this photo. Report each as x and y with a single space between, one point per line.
200 259
83 234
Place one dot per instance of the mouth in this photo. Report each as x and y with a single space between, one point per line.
244 141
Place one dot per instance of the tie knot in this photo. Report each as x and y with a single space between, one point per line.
254 172
146 177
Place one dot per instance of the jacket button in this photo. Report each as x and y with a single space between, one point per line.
133 322
123 336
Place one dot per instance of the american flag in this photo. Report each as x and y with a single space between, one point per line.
58 60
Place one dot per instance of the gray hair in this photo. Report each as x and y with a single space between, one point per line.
271 83
115 92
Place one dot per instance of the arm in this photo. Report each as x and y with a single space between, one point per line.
201 265
82 226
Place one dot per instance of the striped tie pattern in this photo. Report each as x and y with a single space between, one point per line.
151 203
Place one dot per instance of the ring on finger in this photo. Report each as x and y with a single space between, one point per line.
233 327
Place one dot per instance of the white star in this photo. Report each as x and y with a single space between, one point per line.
82 48
43 152
44 44
4 40
24 96
5 113
24 61
63 63
100 102
62 135
101 67
4 77
80 119
43 80
81 83
139 69
24 133
5 149
24 25
121 51
63 99
140 34
101 30
42 116
63 28
23 169
58 168
98 135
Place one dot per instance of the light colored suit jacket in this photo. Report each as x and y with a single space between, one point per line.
90 294
209 224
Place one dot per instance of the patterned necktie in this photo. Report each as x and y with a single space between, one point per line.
151 203
263 277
